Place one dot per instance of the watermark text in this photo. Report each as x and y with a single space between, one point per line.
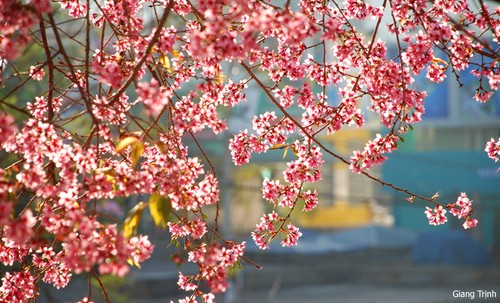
474 294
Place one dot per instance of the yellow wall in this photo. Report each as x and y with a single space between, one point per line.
340 213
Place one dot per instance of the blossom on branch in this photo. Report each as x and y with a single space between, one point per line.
436 215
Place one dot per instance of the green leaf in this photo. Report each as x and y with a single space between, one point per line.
131 223
233 270
160 207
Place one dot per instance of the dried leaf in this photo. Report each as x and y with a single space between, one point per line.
436 195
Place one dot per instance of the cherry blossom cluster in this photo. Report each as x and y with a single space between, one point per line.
7 127
83 139
373 152
195 229
436 215
462 208
305 169
39 109
214 262
492 148
18 18
75 8
113 114
36 73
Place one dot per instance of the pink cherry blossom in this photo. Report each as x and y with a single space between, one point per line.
36 73
310 200
17 287
492 148
7 127
292 236
436 216
470 223
184 283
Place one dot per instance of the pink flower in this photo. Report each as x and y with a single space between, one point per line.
184 283
21 230
436 216
492 148
36 73
462 208
436 73
310 200
153 95
7 127
292 236
17 287
74 7
141 248
470 223
208 298
482 95
271 189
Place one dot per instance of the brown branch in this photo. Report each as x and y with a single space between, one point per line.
71 68
50 94
146 54
96 276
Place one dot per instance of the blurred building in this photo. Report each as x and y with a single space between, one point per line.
445 154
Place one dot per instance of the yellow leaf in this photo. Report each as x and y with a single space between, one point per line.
132 262
220 78
110 178
165 62
160 207
284 154
136 152
278 146
175 53
131 223
438 62
161 147
125 142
